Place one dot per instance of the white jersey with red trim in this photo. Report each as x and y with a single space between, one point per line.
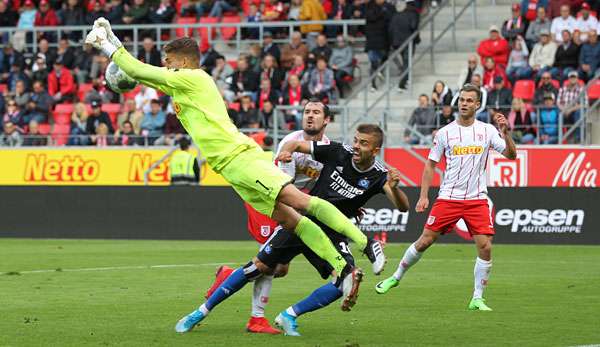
466 150
303 167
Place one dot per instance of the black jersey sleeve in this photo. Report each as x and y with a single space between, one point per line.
327 152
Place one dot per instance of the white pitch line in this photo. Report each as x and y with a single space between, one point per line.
171 266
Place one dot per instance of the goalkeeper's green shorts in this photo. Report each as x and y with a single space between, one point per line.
256 179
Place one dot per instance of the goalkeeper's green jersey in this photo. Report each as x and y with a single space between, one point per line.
198 104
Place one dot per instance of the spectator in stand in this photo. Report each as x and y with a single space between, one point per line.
495 47
490 72
587 22
22 96
173 131
149 54
294 10
267 93
341 10
571 99
269 47
72 14
295 47
544 87
341 62
115 11
138 13
39 71
130 113
78 135
299 69
516 26
254 58
266 116
589 57
321 83
403 25
422 120
244 81
311 10
97 12
10 137
533 31
46 17
61 84
127 136
500 97
16 74
467 73
65 53
154 122
208 59
444 116
83 63
221 74
99 64
529 8
163 13
144 97
42 101
254 16
34 137
564 22
98 92
97 117
8 17
566 58
248 116
518 61
520 120
13 115
548 121
378 15
441 94
101 138
27 14
11 57
293 95
49 53
359 9
322 49
270 70
542 56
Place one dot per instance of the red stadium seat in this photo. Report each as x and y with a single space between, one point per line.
44 128
524 89
234 106
63 109
131 94
179 4
229 32
3 88
83 89
181 32
594 90
113 111
232 63
60 134
61 118
204 30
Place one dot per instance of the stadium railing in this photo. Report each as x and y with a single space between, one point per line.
362 91
157 30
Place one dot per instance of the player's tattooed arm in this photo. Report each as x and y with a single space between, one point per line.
428 172
393 193
510 152
285 155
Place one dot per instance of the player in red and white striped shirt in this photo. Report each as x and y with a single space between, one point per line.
465 143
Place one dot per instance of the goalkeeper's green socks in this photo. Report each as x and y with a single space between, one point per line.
315 239
329 215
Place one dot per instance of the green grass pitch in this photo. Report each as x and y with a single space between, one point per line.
131 293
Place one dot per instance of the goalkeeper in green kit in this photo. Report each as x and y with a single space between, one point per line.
201 110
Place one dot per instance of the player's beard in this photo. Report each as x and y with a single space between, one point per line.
313 131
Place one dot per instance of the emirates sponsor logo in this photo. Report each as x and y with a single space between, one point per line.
575 172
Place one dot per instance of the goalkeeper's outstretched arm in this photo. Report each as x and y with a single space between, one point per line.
150 75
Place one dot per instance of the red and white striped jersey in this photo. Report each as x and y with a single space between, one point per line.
303 167
466 150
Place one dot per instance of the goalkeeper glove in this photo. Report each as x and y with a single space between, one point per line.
104 23
98 38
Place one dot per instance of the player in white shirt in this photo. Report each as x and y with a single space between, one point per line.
586 22
465 143
564 22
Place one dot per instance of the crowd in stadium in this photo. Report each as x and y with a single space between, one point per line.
532 68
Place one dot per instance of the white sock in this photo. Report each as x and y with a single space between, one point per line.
260 296
203 309
291 312
482 274
411 257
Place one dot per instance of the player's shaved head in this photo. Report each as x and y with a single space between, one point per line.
182 50
373 130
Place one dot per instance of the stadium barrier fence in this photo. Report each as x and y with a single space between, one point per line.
521 215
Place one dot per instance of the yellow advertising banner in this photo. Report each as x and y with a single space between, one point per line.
90 166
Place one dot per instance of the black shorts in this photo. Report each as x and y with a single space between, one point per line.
283 246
